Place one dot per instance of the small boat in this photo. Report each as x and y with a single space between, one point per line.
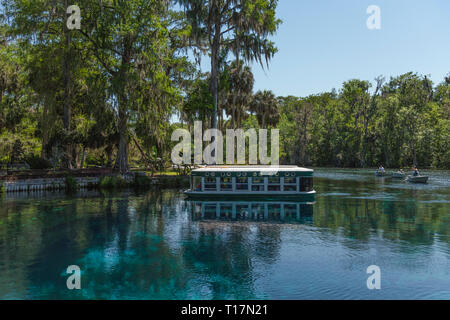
417 179
380 173
398 175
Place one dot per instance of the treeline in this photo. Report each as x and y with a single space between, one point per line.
111 93
397 123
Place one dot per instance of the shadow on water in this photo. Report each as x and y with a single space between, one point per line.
158 245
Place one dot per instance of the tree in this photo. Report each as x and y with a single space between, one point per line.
198 104
359 109
39 29
240 92
295 128
242 26
266 107
129 39
414 92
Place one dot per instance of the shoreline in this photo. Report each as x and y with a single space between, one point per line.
72 181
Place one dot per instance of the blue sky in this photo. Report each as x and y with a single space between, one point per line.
323 43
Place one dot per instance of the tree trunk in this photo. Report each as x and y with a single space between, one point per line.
215 82
122 151
67 78
414 156
215 50
233 112
122 99
44 131
83 156
109 154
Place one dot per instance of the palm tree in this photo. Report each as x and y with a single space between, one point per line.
241 26
266 107
240 92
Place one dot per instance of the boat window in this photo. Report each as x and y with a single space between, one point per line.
274 180
290 184
242 183
258 184
274 184
306 184
226 183
258 180
290 180
210 184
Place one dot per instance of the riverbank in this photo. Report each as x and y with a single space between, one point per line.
73 180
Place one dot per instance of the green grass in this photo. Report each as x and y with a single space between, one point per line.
167 173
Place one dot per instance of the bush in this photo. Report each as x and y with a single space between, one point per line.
112 182
17 151
141 181
71 184
2 188
94 161
36 162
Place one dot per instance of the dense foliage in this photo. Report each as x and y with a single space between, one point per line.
111 93
399 123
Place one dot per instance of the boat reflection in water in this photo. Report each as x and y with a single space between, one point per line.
255 211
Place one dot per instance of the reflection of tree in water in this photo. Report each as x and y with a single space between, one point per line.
119 248
19 241
228 252
136 262
398 214
268 242
222 253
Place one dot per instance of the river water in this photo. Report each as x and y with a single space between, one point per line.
158 245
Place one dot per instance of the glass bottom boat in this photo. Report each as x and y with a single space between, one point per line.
252 182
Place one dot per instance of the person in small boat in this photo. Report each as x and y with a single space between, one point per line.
415 172
380 168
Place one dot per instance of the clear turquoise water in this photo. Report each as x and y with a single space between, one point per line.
155 245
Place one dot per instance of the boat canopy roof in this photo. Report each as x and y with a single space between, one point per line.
255 170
